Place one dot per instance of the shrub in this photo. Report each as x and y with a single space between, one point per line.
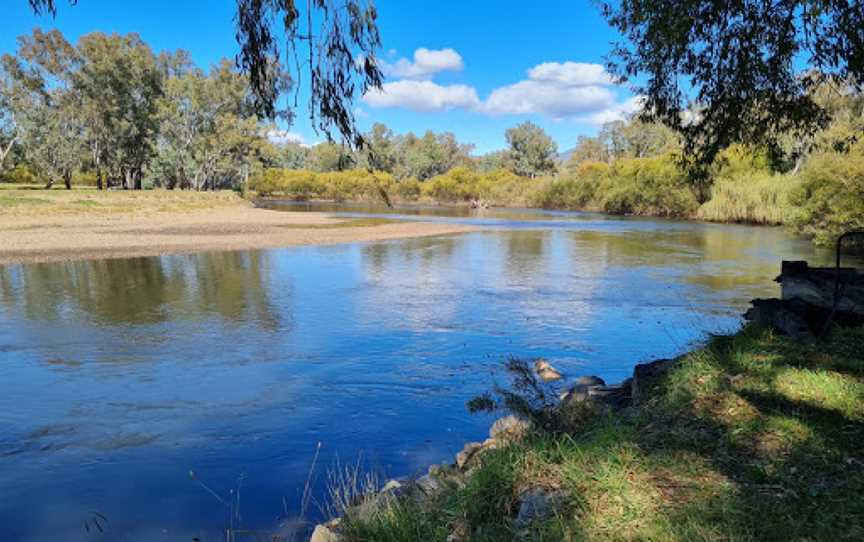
19 175
653 186
753 197
407 189
830 198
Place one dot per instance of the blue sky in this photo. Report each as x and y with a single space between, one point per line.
482 66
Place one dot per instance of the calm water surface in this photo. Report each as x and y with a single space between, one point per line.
118 377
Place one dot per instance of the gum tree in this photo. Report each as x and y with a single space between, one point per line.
729 71
332 45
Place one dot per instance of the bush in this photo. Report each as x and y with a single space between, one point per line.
755 197
653 186
407 189
336 185
19 175
830 198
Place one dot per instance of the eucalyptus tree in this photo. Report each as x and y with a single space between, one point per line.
42 106
531 151
120 84
209 134
333 44
8 127
380 152
430 155
724 71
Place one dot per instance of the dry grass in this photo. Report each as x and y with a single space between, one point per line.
22 201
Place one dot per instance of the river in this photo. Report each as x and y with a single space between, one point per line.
119 377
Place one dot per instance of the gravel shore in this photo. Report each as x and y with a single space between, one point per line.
67 237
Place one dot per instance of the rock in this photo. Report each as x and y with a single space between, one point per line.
537 504
322 533
392 485
590 381
792 317
815 286
491 444
646 375
509 428
429 485
576 394
467 453
545 371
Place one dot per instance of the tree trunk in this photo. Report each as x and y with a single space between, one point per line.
67 180
137 177
99 185
49 184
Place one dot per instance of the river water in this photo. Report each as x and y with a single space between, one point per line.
119 377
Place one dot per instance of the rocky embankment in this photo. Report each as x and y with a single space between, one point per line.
586 393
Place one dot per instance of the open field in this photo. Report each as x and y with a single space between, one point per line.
56 225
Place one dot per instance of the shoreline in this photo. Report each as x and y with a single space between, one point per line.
28 239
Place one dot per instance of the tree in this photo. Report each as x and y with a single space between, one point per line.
120 86
380 153
329 156
532 152
8 127
42 105
292 156
722 71
208 134
340 41
431 155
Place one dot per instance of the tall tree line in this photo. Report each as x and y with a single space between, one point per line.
109 106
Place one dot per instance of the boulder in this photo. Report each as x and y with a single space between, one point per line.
538 504
323 533
467 453
545 371
509 428
577 394
590 381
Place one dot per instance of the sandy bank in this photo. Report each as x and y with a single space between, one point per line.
66 237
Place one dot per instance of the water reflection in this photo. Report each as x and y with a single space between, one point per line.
118 376
230 285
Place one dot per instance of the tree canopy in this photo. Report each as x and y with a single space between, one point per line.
334 43
724 71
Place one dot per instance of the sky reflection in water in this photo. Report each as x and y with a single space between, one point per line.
117 377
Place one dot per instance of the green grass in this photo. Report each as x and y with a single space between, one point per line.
754 198
753 437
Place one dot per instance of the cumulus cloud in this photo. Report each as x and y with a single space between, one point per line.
422 96
570 74
556 101
426 63
559 90
618 111
556 90
283 137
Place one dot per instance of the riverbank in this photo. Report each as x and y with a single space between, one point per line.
55 226
752 437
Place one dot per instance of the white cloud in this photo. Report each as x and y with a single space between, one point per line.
581 91
283 137
619 111
422 96
571 74
556 90
426 63
535 97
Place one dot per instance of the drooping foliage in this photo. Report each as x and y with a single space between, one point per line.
722 71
